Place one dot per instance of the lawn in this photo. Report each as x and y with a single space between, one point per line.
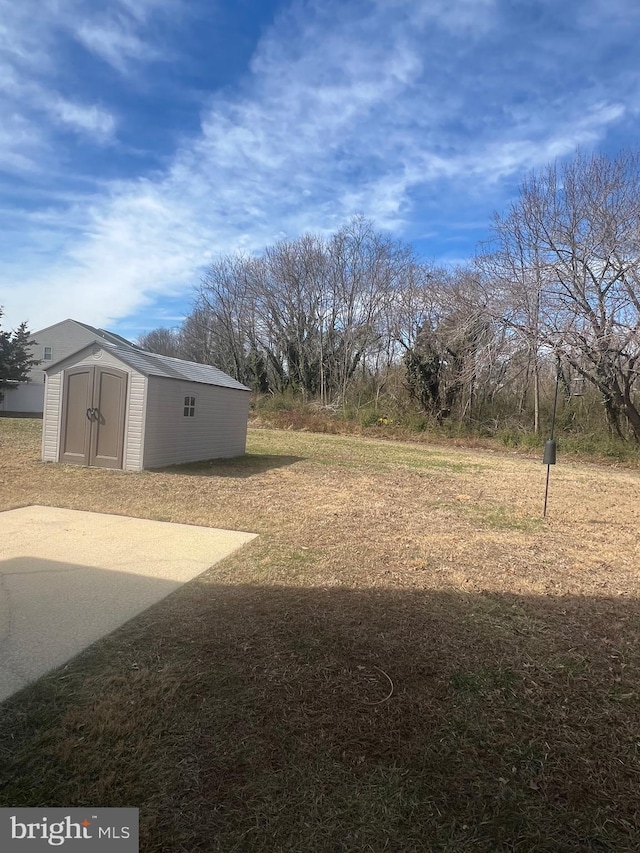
408 658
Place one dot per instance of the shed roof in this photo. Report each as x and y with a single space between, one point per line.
152 364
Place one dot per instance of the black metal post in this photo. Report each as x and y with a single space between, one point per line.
546 492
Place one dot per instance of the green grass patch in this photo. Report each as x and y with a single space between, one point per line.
290 412
499 517
484 680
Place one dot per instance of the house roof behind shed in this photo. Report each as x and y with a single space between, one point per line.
105 334
151 364
112 337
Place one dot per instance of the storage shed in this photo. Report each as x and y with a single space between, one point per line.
116 406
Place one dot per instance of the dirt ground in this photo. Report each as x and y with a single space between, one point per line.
408 658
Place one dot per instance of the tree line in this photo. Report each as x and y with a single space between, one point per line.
553 293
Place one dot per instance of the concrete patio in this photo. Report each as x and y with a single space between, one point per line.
68 578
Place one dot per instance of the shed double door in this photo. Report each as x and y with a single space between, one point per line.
93 414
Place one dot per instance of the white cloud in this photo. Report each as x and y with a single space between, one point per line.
507 157
346 108
32 53
21 143
143 10
92 120
117 33
115 41
468 17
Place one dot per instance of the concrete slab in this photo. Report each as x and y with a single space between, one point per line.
68 578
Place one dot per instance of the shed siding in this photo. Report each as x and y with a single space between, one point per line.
51 418
218 428
135 420
134 416
105 358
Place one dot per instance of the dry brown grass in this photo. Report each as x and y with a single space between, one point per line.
249 711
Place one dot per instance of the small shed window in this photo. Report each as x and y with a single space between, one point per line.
189 407
47 353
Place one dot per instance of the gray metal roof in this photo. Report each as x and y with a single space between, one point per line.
151 364
175 368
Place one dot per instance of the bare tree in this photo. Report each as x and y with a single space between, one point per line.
371 275
163 341
512 269
568 255
312 315
223 319
452 351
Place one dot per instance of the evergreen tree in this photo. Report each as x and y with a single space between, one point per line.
15 356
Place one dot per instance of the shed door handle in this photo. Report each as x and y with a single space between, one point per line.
92 414
89 414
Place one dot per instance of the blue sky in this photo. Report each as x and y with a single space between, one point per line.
141 138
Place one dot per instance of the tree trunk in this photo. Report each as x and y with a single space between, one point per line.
536 396
633 416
